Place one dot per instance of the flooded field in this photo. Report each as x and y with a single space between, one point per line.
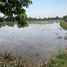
37 41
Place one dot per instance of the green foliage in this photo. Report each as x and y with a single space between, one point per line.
65 18
59 61
22 19
63 24
11 8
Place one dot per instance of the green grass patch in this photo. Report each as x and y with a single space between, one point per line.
59 60
63 24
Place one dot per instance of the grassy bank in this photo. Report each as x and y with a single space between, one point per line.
59 60
63 24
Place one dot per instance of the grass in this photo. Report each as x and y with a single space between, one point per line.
63 24
8 60
59 60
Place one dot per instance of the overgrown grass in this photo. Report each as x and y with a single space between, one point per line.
59 60
8 60
63 24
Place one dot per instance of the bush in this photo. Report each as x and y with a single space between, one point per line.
22 20
65 18
63 24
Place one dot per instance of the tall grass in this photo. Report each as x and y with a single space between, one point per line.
9 60
63 24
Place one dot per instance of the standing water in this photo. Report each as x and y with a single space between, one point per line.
37 41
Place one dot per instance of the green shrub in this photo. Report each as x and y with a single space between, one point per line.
63 25
65 18
22 20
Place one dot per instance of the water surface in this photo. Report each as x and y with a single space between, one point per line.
37 41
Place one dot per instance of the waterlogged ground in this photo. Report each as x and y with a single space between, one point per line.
37 41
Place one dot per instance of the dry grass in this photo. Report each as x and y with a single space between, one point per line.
8 60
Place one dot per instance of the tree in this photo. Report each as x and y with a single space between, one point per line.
65 18
15 8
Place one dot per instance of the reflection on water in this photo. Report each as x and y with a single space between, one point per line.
37 41
60 37
6 23
65 37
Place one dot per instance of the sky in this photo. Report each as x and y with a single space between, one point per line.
47 8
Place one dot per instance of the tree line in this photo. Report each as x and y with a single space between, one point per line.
40 19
